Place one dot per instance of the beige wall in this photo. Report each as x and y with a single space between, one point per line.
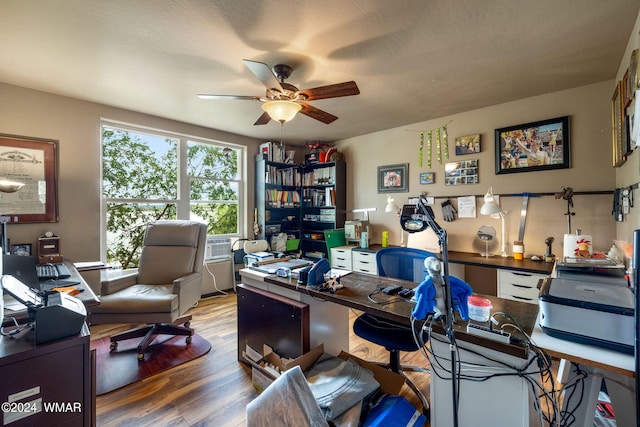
590 123
76 125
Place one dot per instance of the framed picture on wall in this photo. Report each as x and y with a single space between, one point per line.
461 173
31 162
393 178
469 144
427 178
617 127
534 146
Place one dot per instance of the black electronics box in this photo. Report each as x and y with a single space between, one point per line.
311 158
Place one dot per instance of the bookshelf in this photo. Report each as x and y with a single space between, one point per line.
323 205
301 201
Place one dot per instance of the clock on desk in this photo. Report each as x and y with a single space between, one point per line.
49 248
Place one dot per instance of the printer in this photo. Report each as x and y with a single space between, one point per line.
589 308
55 314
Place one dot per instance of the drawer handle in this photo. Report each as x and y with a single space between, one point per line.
522 298
521 274
521 286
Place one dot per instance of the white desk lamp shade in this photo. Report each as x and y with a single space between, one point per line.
491 207
392 206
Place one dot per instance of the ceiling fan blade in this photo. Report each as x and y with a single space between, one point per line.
318 114
211 96
331 91
263 119
264 74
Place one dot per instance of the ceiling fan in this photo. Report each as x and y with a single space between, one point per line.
282 100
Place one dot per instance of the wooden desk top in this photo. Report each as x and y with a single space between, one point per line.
507 263
358 287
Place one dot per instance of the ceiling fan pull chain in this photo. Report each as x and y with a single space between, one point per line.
445 142
421 148
428 149
438 147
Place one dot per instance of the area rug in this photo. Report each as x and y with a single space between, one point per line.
121 367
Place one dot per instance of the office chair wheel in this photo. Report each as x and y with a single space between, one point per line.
189 339
113 346
140 357
187 324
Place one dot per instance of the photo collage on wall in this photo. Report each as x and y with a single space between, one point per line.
460 173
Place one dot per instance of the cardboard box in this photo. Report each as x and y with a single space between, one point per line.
262 376
390 382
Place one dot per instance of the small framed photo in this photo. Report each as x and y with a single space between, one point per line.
23 249
427 178
393 178
469 144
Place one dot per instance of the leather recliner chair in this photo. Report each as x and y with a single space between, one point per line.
167 284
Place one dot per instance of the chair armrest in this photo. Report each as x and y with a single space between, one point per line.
111 285
189 289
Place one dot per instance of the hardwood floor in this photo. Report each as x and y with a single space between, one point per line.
213 389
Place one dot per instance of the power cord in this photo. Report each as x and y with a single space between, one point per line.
215 284
17 329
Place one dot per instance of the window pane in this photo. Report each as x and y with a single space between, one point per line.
138 166
221 217
125 229
210 190
208 161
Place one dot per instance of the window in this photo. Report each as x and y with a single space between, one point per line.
150 175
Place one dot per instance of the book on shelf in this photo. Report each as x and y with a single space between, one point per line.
272 152
282 198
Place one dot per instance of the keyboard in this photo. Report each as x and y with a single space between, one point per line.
52 271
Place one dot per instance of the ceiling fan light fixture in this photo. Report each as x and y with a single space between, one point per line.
281 111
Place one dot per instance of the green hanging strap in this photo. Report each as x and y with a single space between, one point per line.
420 149
438 147
445 142
429 149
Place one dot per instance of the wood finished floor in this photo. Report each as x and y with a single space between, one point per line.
212 390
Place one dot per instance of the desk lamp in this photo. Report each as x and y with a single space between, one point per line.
7 186
417 218
491 207
392 206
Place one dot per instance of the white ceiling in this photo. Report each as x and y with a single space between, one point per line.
413 60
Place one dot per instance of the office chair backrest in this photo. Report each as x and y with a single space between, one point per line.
171 249
402 263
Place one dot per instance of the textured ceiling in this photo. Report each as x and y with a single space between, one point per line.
413 60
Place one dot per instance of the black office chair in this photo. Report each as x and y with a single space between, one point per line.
406 264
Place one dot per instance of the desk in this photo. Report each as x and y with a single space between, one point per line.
87 296
614 368
61 373
334 330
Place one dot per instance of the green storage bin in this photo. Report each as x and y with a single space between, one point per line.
334 238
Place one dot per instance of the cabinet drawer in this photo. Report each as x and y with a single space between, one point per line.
364 262
341 258
518 285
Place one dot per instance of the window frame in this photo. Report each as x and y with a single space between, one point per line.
183 201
